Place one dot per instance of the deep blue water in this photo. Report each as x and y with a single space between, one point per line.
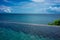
30 18
12 31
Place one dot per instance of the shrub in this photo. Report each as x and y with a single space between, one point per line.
56 22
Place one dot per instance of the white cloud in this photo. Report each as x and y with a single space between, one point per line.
6 1
38 6
57 9
57 1
31 8
5 9
38 0
53 0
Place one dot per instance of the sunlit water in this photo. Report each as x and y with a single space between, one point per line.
12 31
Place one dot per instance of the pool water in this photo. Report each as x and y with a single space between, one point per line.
11 31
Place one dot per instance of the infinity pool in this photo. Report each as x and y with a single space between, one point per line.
16 31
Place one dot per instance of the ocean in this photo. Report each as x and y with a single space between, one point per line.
30 18
12 27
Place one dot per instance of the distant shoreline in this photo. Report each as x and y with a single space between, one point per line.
29 24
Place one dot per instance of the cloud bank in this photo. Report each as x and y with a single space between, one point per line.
55 9
5 9
30 6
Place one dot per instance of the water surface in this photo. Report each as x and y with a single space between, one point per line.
30 18
19 31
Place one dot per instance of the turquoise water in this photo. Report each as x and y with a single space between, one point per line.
12 31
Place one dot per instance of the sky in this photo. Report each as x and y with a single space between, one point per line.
30 6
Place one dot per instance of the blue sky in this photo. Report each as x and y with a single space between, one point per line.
30 6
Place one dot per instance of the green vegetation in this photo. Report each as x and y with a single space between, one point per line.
56 22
